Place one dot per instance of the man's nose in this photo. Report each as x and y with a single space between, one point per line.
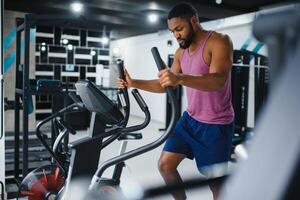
177 35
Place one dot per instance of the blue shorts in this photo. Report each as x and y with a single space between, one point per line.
208 143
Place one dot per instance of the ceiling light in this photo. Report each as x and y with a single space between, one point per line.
43 48
77 7
93 52
105 40
218 1
65 41
153 6
153 18
70 47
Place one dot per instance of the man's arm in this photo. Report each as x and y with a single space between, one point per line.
148 85
220 67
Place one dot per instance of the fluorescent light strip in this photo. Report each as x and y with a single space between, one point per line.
40 111
83 56
43 73
46 35
100 57
70 37
73 74
57 55
91 74
94 39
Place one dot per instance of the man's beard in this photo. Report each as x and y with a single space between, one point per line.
188 41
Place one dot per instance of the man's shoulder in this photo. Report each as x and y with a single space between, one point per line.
219 39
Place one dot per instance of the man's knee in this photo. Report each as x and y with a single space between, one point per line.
165 167
168 162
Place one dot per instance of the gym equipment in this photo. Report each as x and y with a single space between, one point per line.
98 186
104 112
244 63
49 179
178 92
107 120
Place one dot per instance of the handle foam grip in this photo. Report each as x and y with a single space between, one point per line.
120 65
159 62
139 99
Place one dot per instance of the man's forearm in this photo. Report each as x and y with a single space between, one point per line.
148 85
207 82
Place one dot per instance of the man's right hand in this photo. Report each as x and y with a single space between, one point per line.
127 83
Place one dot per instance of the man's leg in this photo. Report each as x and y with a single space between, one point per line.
167 165
216 189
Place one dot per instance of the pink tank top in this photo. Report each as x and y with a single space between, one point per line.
207 107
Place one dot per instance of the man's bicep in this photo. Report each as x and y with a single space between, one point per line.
221 61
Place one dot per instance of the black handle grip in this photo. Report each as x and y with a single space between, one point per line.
159 62
120 66
139 99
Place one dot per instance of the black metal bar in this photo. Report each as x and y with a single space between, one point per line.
140 126
110 140
26 96
118 172
17 108
20 28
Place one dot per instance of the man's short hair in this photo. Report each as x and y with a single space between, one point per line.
183 10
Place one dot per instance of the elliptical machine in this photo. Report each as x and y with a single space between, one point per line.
51 181
98 186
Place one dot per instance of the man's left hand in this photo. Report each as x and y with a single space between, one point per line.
168 78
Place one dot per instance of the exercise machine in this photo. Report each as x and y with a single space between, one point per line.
51 181
97 184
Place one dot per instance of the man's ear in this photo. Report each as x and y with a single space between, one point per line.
194 20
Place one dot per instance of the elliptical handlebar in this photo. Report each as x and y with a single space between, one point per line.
174 106
142 104
120 65
139 99
123 93
159 62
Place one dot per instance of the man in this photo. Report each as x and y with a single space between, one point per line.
202 64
